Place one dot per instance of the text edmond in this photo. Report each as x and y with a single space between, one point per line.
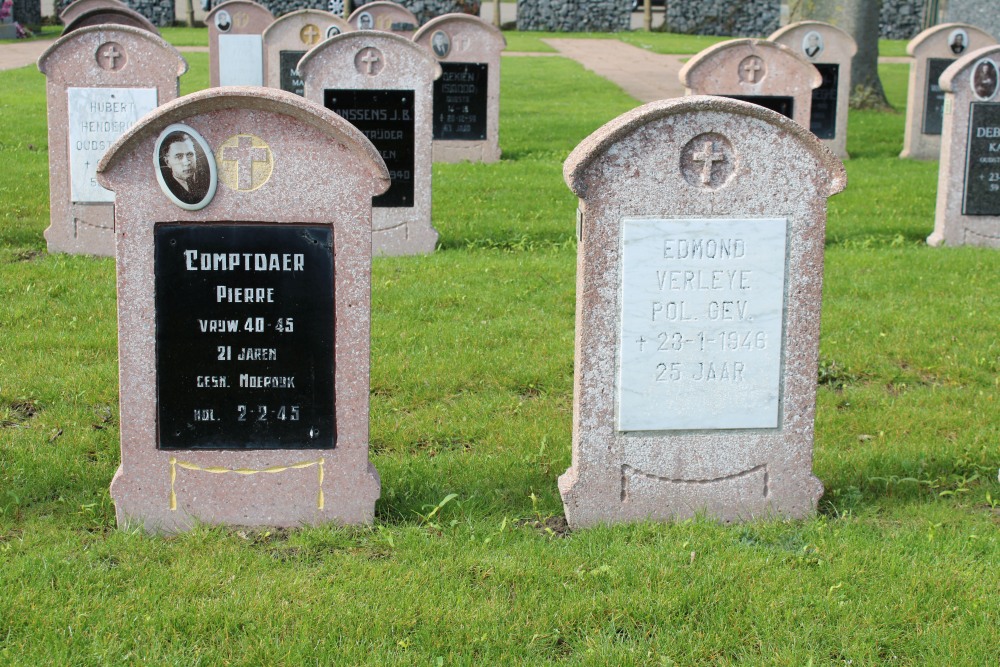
246 261
704 248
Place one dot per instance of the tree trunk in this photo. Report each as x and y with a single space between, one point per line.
860 18
190 13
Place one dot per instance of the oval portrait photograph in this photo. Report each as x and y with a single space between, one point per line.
984 79
812 44
958 41
185 167
366 21
223 21
332 31
441 43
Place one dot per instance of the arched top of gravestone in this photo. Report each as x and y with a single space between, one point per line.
720 119
411 62
721 67
135 56
291 25
258 17
266 100
816 40
74 9
948 40
464 37
110 15
974 76
383 14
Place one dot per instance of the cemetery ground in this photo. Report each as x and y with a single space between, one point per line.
468 561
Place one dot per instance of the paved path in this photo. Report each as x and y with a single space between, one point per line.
644 75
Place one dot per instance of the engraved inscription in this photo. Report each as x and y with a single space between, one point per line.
707 161
982 171
701 323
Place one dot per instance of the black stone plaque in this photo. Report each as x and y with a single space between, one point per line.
290 79
244 336
783 105
823 116
460 101
386 118
934 96
982 170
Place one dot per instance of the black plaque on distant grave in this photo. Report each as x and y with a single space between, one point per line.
982 170
386 118
290 79
783 105
934 96
460 101
244 336
823 114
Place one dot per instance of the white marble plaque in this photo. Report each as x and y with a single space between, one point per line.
97 117
241 60
701 323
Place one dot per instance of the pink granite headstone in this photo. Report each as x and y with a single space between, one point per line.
289 38
933 50
699 280
99 81
830 50
109 15
758 71
74 9
968 194
382 83
235 43
385 16
467 95
243 313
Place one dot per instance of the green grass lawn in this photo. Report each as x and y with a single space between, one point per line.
471 406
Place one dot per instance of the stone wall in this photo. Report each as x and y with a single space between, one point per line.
901 19
983 14
425 10
159 12
731 18
574 15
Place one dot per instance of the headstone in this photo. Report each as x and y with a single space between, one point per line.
384 16
74 9
235 45
110 15
699 281
968 195
8 30
467 96
830 50
244 315
99 81
933 50
289 38
382 83
758 71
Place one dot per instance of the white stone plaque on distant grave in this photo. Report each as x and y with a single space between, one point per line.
241 60
97 117
701 323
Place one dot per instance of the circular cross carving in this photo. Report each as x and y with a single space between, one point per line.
309 34
708 161
369 61
111 56
752 70
245 162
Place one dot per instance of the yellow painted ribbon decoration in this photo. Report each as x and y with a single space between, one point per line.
220 470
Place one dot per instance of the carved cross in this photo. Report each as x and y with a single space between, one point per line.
310 34
112 55
751 68
244 155
370 59
709 157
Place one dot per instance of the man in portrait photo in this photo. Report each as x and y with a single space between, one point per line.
223 21
182 164
441 43
957 42
365 21
813 44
